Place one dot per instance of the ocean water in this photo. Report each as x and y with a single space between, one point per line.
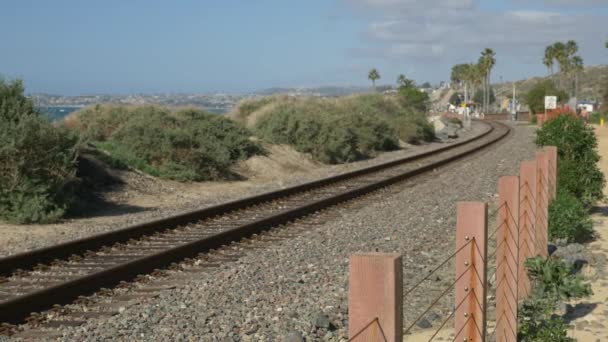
57 113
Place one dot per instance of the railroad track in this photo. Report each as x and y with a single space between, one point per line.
40 279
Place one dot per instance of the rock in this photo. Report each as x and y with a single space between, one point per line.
452 132
573 254
321 320
294 336
424 324
551 248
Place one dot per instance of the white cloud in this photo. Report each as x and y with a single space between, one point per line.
433 32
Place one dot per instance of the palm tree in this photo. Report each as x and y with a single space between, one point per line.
404 82
373 76
486 63
549 58
577 67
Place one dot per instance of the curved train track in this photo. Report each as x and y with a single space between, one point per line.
38 280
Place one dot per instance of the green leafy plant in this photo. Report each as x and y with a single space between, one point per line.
553 279
576 143
553 282
37 161
569 219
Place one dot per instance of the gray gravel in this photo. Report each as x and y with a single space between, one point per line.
296 289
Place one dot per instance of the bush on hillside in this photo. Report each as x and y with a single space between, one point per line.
37 161
568 219
576 143
186 145
344 129
414 98
535 98
328 137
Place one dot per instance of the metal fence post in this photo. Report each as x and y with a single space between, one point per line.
471 271
507 259
527 242
375 297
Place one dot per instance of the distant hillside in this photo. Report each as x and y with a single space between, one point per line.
592 84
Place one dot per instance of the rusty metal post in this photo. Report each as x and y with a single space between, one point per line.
506 259
375 297
471 271
527 242
552 156
542 203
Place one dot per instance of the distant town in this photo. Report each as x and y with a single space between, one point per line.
216 103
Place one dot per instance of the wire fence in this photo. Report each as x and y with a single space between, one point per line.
488 262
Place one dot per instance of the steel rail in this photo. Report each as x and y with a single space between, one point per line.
28 260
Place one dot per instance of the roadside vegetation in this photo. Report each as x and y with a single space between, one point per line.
37 161
535 98
343 129
553 283
580 185
184 145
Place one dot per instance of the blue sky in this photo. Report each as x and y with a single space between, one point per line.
136 46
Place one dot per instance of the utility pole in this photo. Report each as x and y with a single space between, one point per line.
514 110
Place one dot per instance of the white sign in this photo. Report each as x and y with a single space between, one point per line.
550 102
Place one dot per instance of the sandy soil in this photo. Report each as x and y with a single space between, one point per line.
590 316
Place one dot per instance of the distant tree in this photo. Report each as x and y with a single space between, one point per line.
479 96
411 96
535 98
570 64
548 59
485 64
404 82
426 85
456 99
373 76
414 98
465 75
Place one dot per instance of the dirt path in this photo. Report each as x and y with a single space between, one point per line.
590 316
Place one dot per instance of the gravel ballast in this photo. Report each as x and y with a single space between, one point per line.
295 289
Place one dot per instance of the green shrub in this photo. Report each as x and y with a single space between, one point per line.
37 161
553 282
186 145
535 98
553 279
336 131
578 172
343 129
569 219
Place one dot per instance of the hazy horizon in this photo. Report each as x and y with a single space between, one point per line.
67 47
